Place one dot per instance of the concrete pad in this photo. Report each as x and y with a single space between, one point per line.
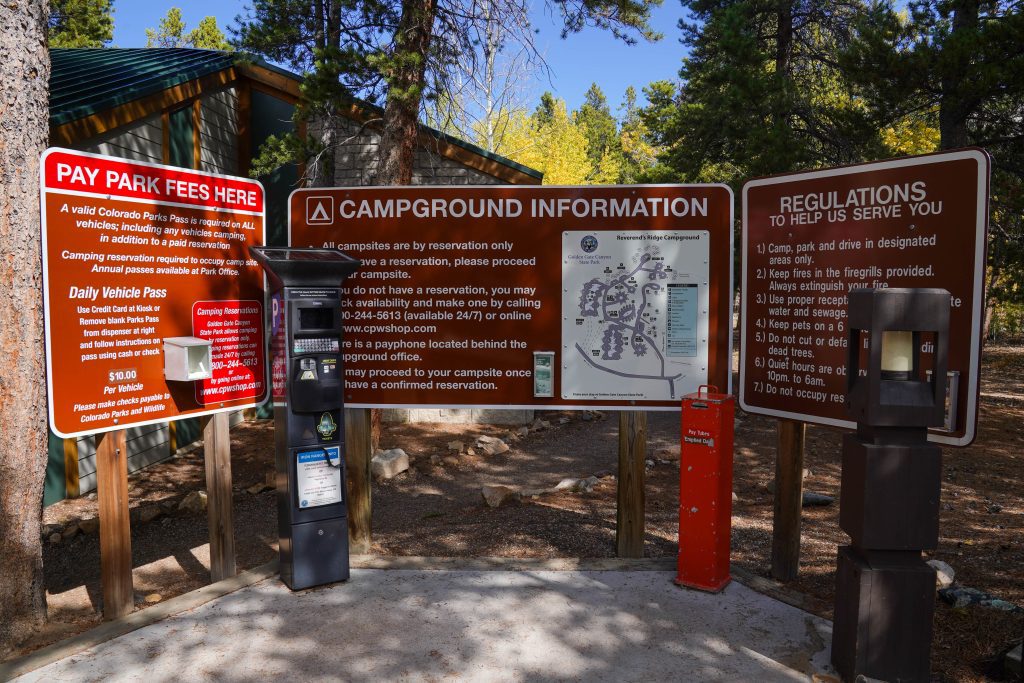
472 625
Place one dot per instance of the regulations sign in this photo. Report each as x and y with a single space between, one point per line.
506 296
135 254
809 238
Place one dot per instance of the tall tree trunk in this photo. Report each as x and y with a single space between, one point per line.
994 269
405 92
322 172
955 106
24 129
401 112
326 19
784 39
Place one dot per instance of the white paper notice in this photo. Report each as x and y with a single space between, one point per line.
318 482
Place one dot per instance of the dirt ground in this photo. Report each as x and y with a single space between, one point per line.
435 509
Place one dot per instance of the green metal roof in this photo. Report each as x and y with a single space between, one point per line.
84 81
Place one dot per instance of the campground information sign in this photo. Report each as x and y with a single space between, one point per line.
809 238
506 296
135 253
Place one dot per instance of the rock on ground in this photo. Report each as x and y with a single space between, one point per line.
493 447
388 464
811 499
944 574
670 454
960 596
89 526
195 502
494 496
149 513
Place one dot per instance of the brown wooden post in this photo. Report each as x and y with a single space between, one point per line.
172 437
219 504
789 468
72 485
357 470
115 526
629 517
376 424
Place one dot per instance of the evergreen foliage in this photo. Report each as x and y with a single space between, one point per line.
171 33
952 72
81 23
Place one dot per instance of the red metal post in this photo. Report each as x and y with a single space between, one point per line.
705 489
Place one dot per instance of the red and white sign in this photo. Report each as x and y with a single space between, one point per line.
235 329
135 253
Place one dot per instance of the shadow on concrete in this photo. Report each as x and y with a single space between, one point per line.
516 626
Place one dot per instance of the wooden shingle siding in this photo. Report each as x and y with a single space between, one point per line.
140 141
219 132
86 464
147 445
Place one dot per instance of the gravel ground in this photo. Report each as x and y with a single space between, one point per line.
436 509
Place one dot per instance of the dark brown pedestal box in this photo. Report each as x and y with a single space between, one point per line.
889 496
883 615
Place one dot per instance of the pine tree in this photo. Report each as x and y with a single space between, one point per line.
762 91
81 23
639 155
24 71
545 111
333 44
600 127
956 66
171 33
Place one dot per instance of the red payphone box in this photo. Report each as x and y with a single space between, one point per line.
705 489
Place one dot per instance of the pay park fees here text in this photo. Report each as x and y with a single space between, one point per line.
449 310
808 242
125 273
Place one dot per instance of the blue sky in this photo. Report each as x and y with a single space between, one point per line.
590 56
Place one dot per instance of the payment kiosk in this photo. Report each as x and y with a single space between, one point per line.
308 411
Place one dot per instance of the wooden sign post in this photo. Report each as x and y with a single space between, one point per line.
631 497
789 470
219 509
357 470
115 525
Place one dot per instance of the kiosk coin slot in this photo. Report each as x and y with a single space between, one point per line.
309 429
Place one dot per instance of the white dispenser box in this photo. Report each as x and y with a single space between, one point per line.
187 359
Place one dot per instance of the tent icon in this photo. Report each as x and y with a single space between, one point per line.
319 210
